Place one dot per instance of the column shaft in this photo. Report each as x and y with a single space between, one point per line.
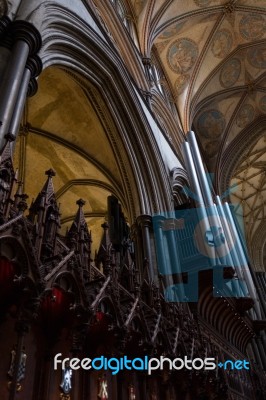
11 84
145 223
19 107
147 248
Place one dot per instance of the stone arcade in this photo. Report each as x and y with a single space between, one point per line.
118 236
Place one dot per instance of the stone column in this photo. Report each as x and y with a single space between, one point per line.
28 87
5 44
137 250
27 41
163 258
145 223
174 258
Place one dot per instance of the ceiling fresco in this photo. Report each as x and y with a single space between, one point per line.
213 54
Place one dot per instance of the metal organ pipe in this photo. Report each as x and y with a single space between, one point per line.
200 184
243 260
227 231
201 174
201 209
231 248
218 220
192 173
161 253
175 258
207 195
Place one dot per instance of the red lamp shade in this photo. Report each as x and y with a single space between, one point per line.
55 307
7 274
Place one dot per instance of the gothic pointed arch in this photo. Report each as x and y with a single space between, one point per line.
125 131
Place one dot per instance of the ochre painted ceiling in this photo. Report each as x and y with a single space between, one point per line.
62 131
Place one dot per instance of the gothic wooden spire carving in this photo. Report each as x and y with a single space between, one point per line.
79 237
44 213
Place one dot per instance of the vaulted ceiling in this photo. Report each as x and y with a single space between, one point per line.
60 130
213 54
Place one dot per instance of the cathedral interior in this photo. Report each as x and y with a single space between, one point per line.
132 197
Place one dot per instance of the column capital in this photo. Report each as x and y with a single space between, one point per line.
144 220
32 88
159 221
34 64
146 61
25 31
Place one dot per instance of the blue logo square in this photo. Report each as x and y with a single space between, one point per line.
200 239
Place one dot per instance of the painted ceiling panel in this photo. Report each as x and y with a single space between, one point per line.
206 47
213 56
